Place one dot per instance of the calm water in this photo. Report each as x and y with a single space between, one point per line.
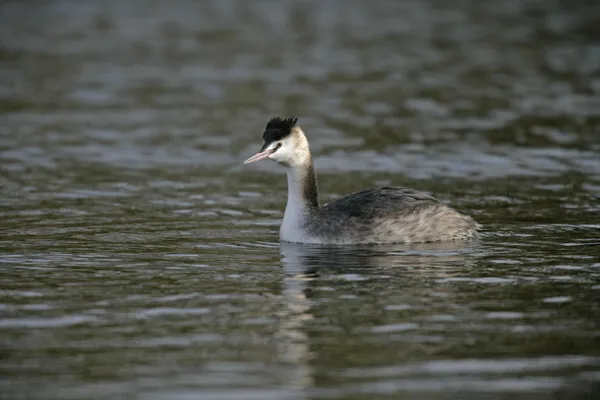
139 259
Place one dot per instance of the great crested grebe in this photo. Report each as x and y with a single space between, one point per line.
379 215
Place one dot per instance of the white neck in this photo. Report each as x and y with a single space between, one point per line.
302 202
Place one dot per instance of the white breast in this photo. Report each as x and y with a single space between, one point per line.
291 227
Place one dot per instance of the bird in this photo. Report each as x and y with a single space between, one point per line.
382 215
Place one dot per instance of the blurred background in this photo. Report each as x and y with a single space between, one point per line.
139 258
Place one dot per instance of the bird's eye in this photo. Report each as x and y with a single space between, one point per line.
279 144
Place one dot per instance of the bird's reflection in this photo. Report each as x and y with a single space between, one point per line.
312 260
319 280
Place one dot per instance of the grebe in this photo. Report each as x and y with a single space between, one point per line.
372 216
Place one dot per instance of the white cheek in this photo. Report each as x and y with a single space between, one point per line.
281 155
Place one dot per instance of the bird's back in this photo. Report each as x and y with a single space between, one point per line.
389 215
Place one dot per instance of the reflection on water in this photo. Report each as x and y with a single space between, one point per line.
140 259
391 319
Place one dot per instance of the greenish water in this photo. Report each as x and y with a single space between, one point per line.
139 259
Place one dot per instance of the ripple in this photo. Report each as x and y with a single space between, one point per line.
184 341
398 307
20 293
478 366
504 315
390 328
46 322
568 267
485 280
163 311
557 299
458 162
479 385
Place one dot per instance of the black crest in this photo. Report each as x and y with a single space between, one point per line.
278 128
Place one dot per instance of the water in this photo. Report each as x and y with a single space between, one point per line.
141 260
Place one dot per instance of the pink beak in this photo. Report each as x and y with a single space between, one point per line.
261 155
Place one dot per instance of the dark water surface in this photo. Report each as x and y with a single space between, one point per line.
139 259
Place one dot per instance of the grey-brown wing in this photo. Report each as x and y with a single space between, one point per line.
358 211
378 202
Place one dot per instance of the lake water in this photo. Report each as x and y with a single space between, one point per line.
140 259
